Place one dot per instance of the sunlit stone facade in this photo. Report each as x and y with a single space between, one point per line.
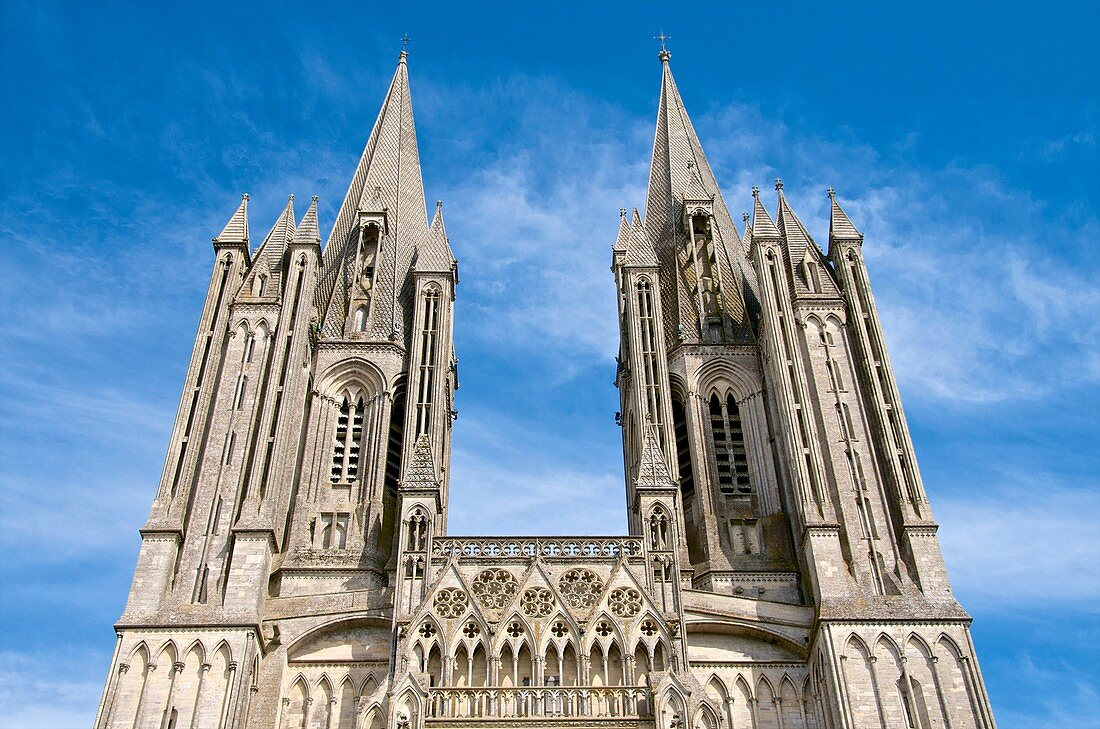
781 570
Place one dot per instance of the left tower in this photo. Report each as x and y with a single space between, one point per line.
307 466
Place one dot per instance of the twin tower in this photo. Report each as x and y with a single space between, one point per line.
781 569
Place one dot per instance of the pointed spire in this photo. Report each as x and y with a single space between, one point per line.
236 230
762 224
624 232
802 251
387 182
840 227
679 171
421 472
639 246
434 253
653 468
746 239
308 232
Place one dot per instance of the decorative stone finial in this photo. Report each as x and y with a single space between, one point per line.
622 212
745 217
290 198
831 193
755 191
314 198
245 196
778 184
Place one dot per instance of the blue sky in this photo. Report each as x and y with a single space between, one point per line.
962 139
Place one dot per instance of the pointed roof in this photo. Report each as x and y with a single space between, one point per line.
639 246
268 258
746 239
624 232
434 252
801 246
236 230
840 227
421 471
388 178
653 468
308 232
762 224
679 170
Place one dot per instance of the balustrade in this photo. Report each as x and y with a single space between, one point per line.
519 547
546 702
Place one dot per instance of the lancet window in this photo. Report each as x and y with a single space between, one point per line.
729 446
418 532
647 319
348 441
683 448
429 335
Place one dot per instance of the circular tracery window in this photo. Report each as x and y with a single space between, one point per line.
495 588
537 602
625 602
450 602
581 588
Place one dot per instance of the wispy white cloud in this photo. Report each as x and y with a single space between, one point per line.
49 690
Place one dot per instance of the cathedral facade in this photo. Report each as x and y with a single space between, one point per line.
781 568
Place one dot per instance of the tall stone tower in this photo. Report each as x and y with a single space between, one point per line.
781 569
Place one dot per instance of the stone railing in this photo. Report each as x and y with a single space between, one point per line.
520 547
549 702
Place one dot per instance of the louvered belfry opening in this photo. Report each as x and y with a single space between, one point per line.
729 446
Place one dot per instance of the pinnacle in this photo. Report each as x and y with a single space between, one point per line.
840 227
236 230
762 224
421 470
653 469
308 233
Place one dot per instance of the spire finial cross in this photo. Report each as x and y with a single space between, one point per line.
405 42
778 184
755 191
662 37
831 193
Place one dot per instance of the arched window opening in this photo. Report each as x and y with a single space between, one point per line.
418 532
259 285
334 530
728 438
683 448
429 335
348 441
658 530
361 319
650 372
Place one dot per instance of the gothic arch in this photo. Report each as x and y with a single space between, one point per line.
724 376
705 718
573 634
604 641
354 373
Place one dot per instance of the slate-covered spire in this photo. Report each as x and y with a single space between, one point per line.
762 224
421 471
236 230
679 170
624 233
808 271
388 184
652 467
639 246
267 261
840 227
434 252
308 233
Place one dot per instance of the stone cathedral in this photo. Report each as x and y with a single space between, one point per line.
781 568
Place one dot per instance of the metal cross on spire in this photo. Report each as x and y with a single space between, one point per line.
405 42
662 37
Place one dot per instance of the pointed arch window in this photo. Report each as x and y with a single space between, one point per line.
429 335
361 319
647 320
334 530
683 447
418 532
348 440
259 285
729 446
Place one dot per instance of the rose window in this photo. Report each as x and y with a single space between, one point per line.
625 602
495 588
537 602
450 603
581 588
